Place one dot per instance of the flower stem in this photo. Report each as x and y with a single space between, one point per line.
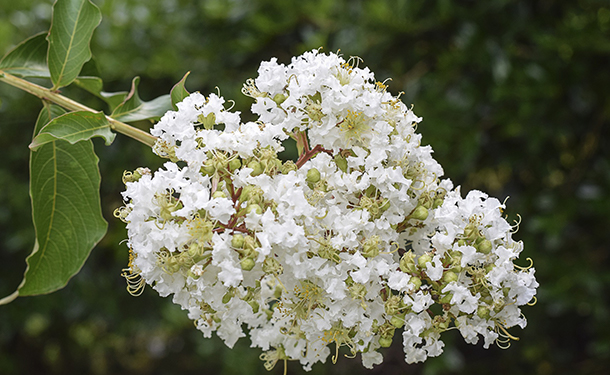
71 105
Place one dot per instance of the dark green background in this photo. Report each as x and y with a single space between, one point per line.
515 97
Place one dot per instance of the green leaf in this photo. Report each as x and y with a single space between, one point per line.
113 99
94 86
74 127
134 109
28 59
179 92
72 26
66 211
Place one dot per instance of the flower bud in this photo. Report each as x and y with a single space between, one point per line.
257 168
279 98
484 247
254 208
397 321
288 166
219 194
420 213
483 312
449 277
234 164
416 281
313 176
247 264
385 342
422 260
207 121
437 203
237 241
407 262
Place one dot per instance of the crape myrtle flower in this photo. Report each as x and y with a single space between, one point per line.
355 242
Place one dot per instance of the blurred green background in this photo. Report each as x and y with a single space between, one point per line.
515 97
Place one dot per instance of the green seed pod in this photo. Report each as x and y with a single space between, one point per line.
234 164
257 168
247 264
385 342
237 241
313 176
420 213
484 247
449 277
397 321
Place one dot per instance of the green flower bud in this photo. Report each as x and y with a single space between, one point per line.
288 166
208 167
407 262
420 213
249 243
257 168
247 264
483 312
172 265
422 260
219 194
437 203
207 121
194 250
385 342
279 98
234 164
484 247
397 321
313 176
237 241
449 277
416 281
254 208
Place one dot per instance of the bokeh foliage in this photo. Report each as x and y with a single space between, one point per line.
515 97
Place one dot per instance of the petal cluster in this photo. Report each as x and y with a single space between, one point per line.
356 241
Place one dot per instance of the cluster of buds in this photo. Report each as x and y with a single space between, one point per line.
354 242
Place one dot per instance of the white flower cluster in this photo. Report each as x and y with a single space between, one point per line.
352 242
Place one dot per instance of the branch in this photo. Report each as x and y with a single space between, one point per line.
69 104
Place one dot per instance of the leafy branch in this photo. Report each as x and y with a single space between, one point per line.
64 173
